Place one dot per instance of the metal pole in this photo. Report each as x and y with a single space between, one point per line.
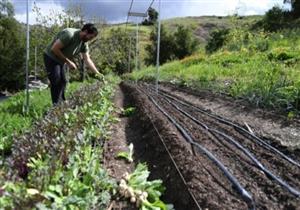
137 46
129 54
35 61
27 58
158 46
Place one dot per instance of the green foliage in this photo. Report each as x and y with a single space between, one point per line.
14 121
129 111
167 46
152 17
185 42
266 79
172 45
217 40
6 9
111 52
275 19
12 54
243 40
127 155
295 5
145 193
63 166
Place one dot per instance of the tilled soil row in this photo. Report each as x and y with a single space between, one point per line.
205 180
145 128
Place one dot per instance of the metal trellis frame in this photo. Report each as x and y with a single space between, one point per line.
27 58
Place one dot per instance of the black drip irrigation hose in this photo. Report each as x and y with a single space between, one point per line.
225 121
243 149
236 185
174 163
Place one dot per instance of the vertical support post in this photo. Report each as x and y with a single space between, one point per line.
158 46
27 58
35 62
137 46
129 54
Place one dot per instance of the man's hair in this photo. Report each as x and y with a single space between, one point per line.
90 28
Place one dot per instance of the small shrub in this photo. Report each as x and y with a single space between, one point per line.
216 40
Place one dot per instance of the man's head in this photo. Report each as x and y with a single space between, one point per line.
88 32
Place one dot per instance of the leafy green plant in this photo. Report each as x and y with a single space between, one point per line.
128 111
62 167
145 194
127 155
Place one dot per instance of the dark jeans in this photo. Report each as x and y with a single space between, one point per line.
57 77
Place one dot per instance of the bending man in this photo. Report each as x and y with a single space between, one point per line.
65 46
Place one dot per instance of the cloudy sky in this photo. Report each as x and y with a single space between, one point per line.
115 11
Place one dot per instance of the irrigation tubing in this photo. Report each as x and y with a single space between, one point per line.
174 163
225 121
243 149
243 192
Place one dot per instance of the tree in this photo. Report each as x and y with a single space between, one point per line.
111 51
295 5
274 19
6 9
152 17
12 54
186 44
167 46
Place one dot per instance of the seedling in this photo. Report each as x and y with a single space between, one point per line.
129 111
127 155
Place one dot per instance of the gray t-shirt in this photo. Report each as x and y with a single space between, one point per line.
72 44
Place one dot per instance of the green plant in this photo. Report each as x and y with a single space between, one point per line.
129 111
62 168
217 40
186 43
145 194
11 59
127 155
15 121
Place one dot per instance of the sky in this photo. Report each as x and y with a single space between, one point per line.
115 11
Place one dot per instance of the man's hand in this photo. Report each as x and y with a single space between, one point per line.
71 64
99 77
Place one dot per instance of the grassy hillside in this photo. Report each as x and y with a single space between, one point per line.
201 27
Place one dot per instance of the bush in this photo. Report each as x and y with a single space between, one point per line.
275 19
167 46
110 53
185 43
12 54
216 40
178 45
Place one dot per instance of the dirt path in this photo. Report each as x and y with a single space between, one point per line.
137 129
204 179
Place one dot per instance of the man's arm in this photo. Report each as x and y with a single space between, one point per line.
88 61
56 49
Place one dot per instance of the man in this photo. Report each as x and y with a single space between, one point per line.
65 46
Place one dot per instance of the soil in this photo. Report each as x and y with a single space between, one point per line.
191 178
138 129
